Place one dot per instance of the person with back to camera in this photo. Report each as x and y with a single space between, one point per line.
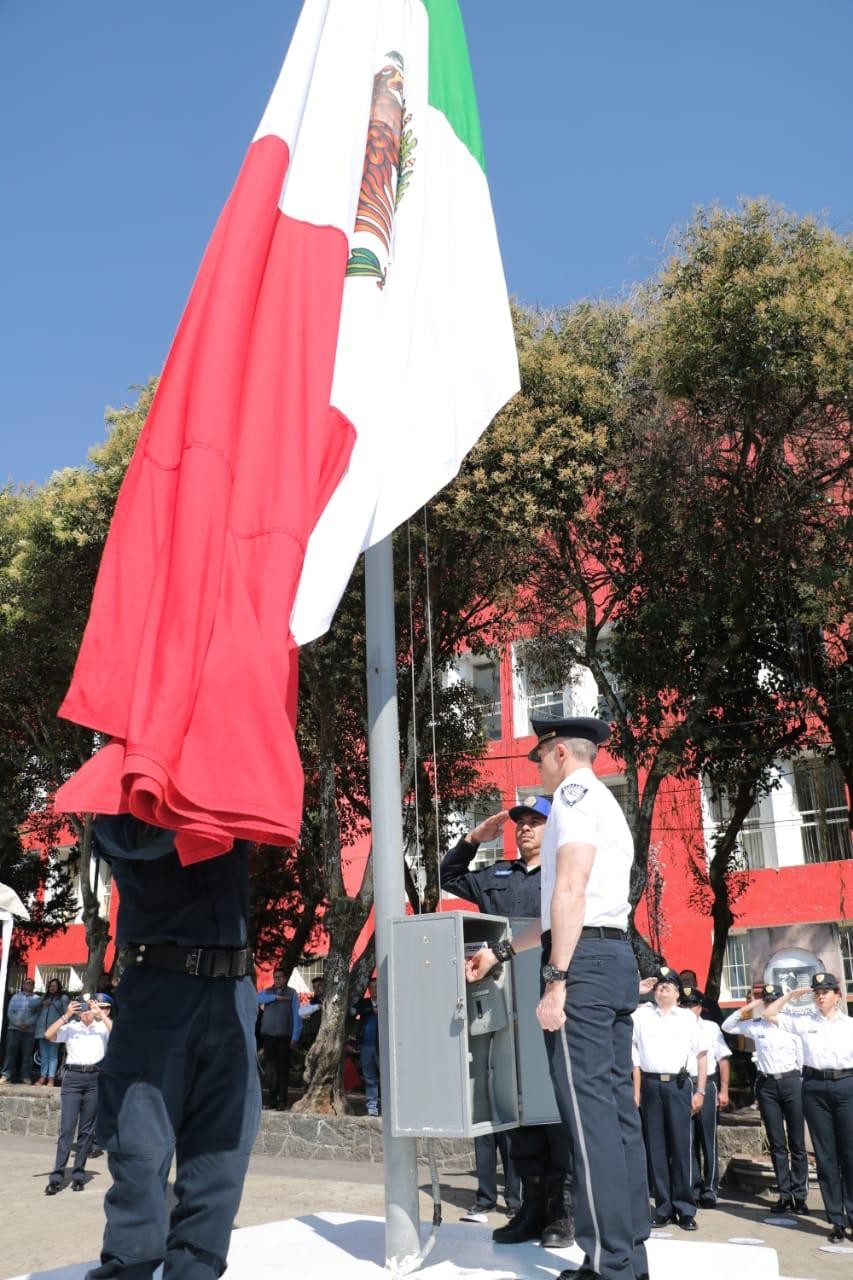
590 989
826 1036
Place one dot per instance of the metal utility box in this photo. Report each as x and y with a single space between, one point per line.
536 1101
453 1071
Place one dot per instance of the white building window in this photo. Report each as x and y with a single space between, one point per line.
736 967
490 850
845 938
751 837
821 800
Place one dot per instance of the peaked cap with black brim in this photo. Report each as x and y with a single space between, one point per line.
587 727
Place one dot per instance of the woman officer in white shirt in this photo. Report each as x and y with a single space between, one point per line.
826 1034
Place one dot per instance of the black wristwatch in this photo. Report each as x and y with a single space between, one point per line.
550 974
503 950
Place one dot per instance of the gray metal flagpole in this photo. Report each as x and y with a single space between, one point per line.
402 1234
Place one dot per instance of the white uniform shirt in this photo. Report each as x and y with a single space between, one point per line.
827 1042
711 1039
776 1050
584 811
665 1042
84 1046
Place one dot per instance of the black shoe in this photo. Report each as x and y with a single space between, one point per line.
783 1205
662 1220
584 1272
94 1152
53 1188
799 1206
529 1222
559 1230
77 1185
707 1202
479 1207
687 1223
836 1234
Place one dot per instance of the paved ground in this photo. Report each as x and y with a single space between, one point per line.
37 1232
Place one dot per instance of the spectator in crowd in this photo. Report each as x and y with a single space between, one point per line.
53 1005
108 987
311 1013
281 1028
706 1164
84 1029
367 1043
21 1034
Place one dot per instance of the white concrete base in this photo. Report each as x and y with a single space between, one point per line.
340 1246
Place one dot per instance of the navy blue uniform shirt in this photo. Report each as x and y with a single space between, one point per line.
205 904
503 889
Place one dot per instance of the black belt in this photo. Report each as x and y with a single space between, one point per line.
778 1075
71 1066
200 962
821 1073
664 1076
591 931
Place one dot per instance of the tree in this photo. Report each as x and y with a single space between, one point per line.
708 419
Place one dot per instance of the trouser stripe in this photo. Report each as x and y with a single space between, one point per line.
596 1260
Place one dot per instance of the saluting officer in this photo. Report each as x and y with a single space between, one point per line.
180 1075
590 992
665 1039
779 1090
706 1164
540 1153
826 1035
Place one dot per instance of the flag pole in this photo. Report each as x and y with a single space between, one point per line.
402 1219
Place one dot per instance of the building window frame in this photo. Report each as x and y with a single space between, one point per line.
736 972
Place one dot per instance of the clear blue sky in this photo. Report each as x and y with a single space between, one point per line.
606 122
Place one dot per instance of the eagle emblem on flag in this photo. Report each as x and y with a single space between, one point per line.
388 165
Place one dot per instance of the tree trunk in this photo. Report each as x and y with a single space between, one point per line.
96 927
719 876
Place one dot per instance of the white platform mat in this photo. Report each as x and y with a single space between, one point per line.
340 1246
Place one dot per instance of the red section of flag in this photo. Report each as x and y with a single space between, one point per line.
187 659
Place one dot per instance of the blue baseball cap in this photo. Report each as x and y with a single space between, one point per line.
533 804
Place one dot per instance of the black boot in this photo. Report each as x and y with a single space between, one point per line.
559 1232
529 1222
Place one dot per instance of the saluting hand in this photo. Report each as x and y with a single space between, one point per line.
647 985
551 1009
490 828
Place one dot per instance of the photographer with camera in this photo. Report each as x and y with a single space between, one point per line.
84 1029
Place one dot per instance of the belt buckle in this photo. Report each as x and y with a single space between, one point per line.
665 1079
222 964
193 961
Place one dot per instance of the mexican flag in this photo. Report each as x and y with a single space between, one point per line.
346 341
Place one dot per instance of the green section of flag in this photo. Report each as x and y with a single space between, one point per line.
451 85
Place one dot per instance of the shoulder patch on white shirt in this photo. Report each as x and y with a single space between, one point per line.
572 793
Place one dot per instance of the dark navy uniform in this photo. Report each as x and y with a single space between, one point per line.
541 1154
180 1075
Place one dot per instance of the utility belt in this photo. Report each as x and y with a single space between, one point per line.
779 1075
668 1077
199 962
592 931
71 1066
821 1073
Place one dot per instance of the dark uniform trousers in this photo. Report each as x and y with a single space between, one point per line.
78 1105
828 1105
543 1149
780 1102
486 1149
590 1061
180 1078
277 1061
706 1165
667 1127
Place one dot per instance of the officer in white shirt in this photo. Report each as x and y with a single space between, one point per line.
84 1029
665 1039
779 1090
590 992
826 1034
706 1164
